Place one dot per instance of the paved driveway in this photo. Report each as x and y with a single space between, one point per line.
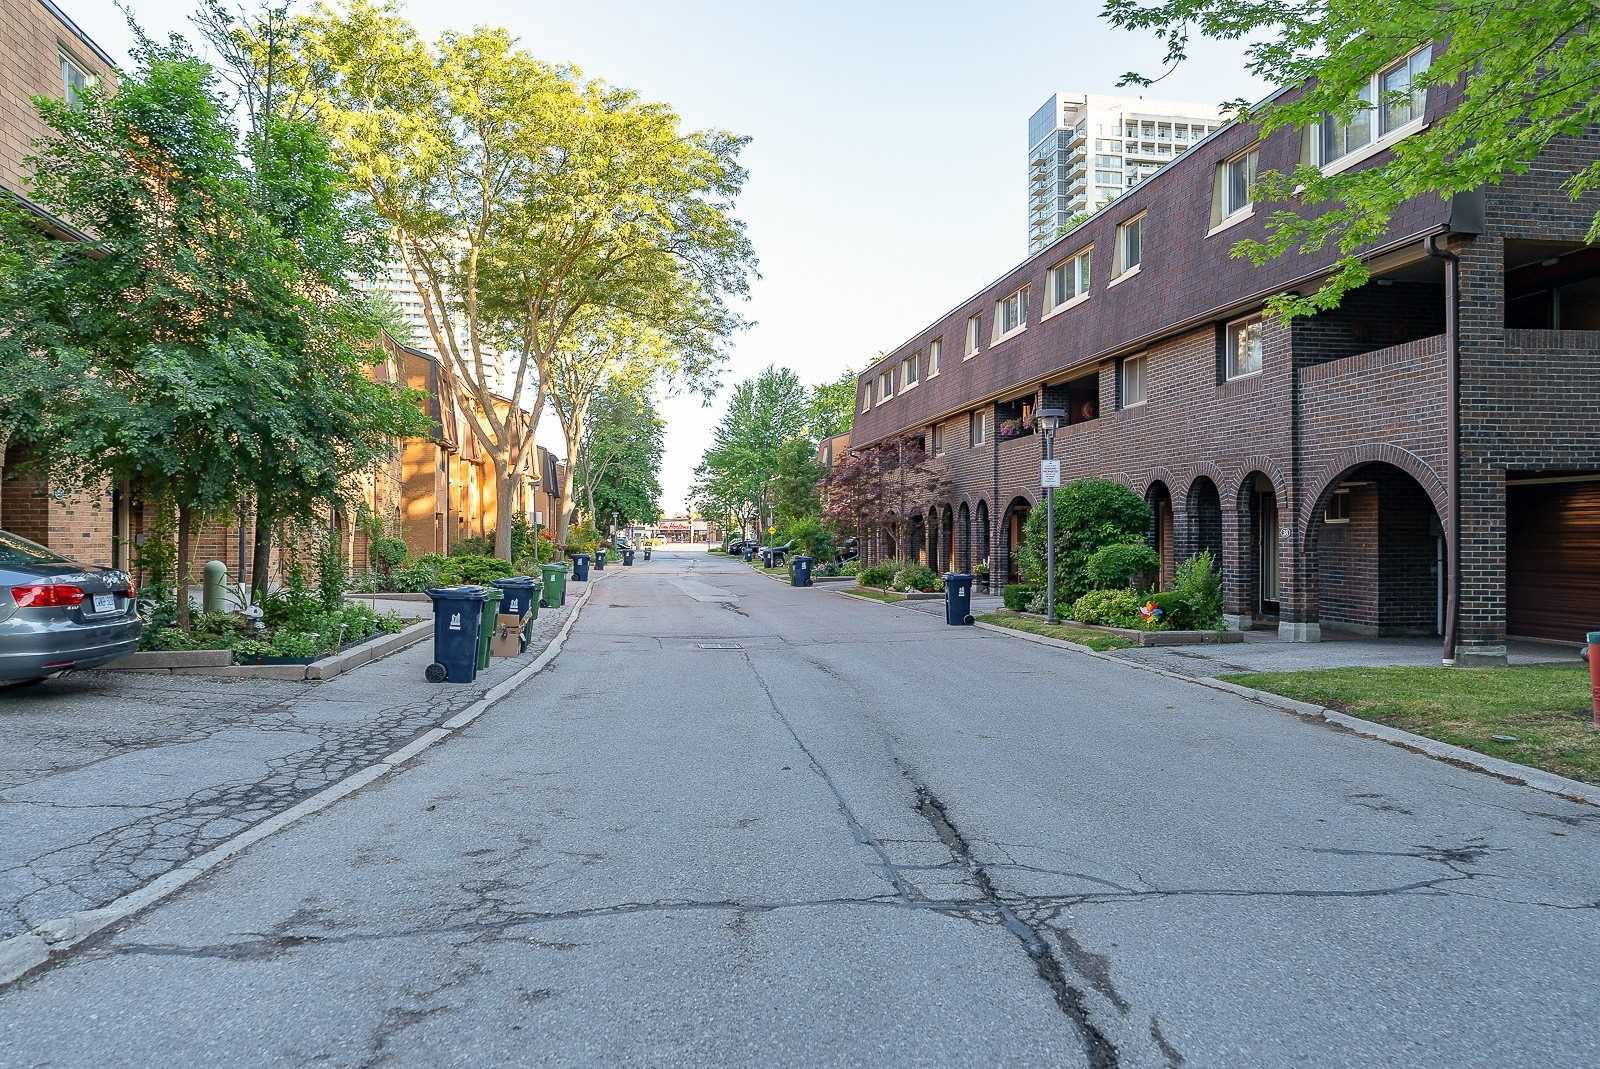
742 824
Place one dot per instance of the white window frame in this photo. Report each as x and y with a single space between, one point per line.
866 397
934 345
885 385
910 373
937 436
1142 362
68 92
1122 270
1225 213
1375 114
977 429
1079 267
1001 333
1229 372
974 335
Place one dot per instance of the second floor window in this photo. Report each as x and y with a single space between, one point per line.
1385 108
1244 347
1068 280
933 357
908 373
974 335
1011 314
1130 245
885 386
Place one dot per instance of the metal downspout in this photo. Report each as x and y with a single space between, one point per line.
1436 247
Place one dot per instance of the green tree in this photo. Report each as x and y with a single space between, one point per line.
1531 74
619 463
795 477
833 405
529 206
739 467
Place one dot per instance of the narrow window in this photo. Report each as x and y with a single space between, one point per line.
1244 347
1130 245
885 386
1231 192
938 440
1338 508
974 336
908 373
933 357
1133 384
1010 314
74 80
1402 101
977 428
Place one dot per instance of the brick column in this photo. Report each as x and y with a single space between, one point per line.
1481 623
1299 619
1238 577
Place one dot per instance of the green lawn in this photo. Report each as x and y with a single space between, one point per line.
1083 636
1546 710
876 594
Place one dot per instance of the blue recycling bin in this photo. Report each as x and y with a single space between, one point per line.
800 570
580 567
600 560
627 558
647 551
457 611
749 554
957 598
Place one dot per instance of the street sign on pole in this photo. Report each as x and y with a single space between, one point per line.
1049 473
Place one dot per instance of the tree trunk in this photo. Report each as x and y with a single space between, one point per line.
185 519
261 553
504 508
573 430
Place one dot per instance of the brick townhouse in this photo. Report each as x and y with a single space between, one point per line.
435 490
1423 460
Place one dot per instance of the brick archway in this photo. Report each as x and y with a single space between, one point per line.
1346 461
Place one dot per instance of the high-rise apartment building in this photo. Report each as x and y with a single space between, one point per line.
1085 151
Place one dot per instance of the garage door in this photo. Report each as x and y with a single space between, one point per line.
1553 560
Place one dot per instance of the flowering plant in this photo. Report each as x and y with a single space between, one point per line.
1151 612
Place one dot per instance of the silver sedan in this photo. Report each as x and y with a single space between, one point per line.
57 614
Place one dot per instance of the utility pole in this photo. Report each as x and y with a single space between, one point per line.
1049 478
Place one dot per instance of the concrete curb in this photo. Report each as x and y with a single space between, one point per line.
1523 775
52 939
219 663
863 597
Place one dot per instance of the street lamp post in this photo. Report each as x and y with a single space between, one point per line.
1048 420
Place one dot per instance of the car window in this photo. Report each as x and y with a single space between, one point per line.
14 549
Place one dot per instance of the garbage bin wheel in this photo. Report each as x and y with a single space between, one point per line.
435 673
968 620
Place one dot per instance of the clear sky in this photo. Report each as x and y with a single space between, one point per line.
890 139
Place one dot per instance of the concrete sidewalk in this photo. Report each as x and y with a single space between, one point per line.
110 779
1264 652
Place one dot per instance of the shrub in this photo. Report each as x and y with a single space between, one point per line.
581 538
420 574
1016 596
331 576
1175 612
1121 564
850 567
473 569
1110 608
385 555
1090 513
915 577
879 574
1200 585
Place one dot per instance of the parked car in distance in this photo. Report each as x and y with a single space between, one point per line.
57 614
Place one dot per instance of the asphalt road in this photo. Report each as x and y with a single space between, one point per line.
739 824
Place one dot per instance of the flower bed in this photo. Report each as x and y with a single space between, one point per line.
1144 637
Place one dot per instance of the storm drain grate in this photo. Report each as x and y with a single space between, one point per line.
719 646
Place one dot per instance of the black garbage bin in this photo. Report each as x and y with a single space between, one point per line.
749 554
627 558
580 567
599 560
647 551
800 570
957 598
457 611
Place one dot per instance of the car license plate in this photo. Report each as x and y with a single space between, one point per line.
105 603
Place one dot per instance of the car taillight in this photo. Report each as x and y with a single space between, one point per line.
47 596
